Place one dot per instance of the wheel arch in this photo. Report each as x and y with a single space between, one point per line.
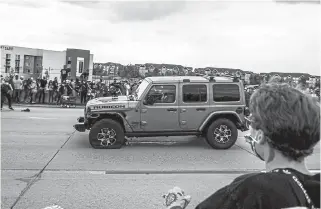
116 116
232 116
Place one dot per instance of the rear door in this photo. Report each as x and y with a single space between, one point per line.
228 97
194 105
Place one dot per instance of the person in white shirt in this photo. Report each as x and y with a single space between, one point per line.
127 86
17 82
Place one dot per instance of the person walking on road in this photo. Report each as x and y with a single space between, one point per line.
6 88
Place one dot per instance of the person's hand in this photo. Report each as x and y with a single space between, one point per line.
176 199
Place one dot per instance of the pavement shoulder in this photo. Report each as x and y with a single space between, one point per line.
46 106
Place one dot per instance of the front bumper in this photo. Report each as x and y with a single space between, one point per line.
80 126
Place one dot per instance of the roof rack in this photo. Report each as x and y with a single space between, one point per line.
215 78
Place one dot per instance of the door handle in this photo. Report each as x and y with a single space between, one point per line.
200 109
171 109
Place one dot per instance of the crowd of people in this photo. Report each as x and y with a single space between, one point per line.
16 89
302 86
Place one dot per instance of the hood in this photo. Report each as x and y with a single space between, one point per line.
111 104
103 100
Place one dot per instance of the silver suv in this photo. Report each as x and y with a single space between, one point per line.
213 107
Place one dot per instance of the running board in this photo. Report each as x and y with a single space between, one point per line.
162 133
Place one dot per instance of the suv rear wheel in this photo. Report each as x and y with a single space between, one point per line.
222 134
106 134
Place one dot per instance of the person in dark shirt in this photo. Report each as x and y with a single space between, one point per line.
69 88
26 89
64 75
83 92
6 88
61 92
55 88
42 87
284 129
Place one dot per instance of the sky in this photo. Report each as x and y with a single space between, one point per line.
259 36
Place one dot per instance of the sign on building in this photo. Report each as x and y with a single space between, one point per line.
8 48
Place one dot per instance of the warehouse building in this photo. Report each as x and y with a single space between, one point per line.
31 62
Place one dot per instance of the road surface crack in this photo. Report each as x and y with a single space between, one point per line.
38 175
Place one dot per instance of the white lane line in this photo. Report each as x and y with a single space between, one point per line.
97 172
42 118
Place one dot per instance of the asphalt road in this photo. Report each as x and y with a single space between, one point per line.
44 162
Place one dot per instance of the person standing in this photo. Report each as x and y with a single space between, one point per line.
55 88
83 92
127 87
17 82
10 81
42 87
73 87
61 92
63 75
5 92
26 89
33 90
50 88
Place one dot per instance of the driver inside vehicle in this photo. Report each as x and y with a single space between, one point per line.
284 130
160 94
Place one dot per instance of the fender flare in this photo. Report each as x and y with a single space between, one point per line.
127 127
208 119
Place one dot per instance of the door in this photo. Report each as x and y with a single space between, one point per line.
194 105
162 113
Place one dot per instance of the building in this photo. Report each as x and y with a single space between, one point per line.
31 62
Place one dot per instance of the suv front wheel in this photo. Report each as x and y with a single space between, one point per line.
222 134
106 134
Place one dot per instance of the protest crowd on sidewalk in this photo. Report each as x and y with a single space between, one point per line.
20 90
44 91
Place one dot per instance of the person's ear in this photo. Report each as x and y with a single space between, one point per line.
260 137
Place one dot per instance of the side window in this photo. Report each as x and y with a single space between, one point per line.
226 93
163 93
194 93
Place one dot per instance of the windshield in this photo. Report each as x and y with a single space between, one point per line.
141 88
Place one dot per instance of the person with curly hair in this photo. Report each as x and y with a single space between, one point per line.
284 129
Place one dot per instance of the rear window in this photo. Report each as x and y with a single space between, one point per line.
226 93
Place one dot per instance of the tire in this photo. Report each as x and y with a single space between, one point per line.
104 129
215 126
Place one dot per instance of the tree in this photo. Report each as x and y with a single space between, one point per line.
132 72
168 73
252 79
122 72
181 72
191 73
156 72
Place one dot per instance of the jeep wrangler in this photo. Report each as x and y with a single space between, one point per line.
212 107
